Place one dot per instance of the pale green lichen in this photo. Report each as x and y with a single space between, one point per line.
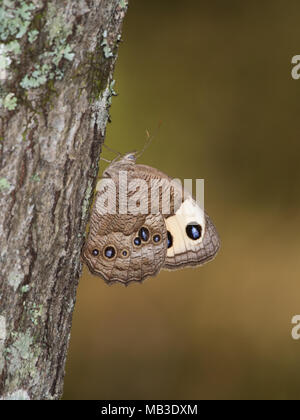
18 18
13 47
32 35
19 395
58 31
111 88
19 349
2 340
58 28
37 78
111 92
25 289
9 101
33 310
4 59
100 113
35 313
21 358
105 46
4 184
7 52
14 279
2 328
15 20
35 178
67 53
61 51
123 3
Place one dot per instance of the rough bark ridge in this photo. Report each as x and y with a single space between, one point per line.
56 65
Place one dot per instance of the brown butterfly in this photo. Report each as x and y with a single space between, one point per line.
131 238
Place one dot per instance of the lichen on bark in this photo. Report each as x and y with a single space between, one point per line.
55 94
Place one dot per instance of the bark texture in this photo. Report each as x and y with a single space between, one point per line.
56 66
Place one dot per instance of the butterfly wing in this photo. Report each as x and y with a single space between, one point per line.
192 237
125 248
130 247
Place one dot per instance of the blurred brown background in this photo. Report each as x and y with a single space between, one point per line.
218 75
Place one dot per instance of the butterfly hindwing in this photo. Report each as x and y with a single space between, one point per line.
125 248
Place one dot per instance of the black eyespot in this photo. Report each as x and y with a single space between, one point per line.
144 234
109 252
170 239
156 238
193 231
137 241
124 253
95 252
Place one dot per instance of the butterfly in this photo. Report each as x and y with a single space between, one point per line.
142 222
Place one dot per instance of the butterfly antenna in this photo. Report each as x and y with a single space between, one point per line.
112 150
148 141
105 160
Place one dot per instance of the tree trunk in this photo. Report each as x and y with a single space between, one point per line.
56 66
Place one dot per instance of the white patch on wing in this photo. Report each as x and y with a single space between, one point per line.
188 212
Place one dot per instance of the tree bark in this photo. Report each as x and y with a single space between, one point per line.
56 69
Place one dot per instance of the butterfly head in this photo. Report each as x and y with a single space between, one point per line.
131 157
121 163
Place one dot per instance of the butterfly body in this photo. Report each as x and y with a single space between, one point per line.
147 232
